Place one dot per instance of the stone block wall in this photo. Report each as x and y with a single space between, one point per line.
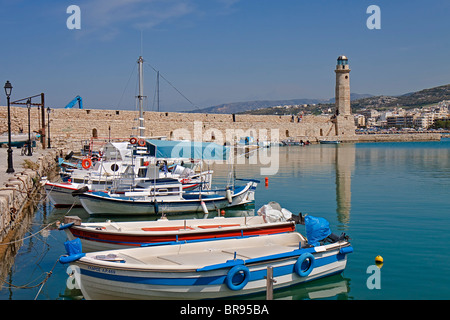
69 127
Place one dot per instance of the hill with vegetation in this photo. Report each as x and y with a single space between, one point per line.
406 101
249 106
318 106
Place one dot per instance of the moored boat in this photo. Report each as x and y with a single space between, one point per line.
329 141
167 199
98 236
203 270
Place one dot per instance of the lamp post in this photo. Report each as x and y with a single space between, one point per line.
29 152
48 125
8 88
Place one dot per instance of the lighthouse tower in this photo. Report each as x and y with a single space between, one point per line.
342 87
343 118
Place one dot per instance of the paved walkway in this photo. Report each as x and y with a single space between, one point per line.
18 162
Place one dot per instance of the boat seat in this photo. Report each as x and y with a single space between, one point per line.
197 258
254 252
172 228
212 226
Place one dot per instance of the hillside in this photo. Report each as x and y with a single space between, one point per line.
407 101
317 106
241 107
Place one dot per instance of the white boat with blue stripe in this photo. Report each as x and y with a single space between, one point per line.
207 269
166 198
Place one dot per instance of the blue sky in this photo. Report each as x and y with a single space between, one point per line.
219 51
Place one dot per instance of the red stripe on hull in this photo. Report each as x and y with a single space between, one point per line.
131 240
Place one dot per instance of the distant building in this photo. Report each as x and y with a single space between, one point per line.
405 121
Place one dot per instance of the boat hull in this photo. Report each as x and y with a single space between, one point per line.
60 194
102 236
111 280
97 204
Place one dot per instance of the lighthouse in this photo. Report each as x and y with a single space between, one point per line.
342 118
342 102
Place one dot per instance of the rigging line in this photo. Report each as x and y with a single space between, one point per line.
126 86
173 86
30 236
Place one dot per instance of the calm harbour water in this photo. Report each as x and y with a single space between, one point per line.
391 198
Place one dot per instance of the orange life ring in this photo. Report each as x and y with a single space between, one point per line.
86 163
133 140
141 143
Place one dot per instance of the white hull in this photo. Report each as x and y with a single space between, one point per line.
95 203
60 194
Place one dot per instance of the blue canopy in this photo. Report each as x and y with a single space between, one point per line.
187 149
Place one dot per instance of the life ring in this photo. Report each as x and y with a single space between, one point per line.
298 265
86 163
133 140
233 271
141 143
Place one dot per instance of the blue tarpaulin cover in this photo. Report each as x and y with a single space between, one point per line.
187 149
316 229
73 246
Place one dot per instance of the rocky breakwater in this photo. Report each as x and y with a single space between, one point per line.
19 189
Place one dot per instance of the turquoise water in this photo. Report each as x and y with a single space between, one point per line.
391 198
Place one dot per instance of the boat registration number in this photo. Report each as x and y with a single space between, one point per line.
102 270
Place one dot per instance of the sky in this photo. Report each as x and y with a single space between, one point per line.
219 51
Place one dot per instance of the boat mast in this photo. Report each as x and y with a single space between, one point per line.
141 98
157 90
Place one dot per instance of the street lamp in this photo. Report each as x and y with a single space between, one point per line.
48 121
29 152
8 88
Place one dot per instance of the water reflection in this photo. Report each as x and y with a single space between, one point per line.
335 286
345 164
11 245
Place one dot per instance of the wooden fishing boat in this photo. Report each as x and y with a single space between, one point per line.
329 141
60 193
167 199
98 236
203 270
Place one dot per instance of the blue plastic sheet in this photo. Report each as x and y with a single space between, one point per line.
316 229
73 247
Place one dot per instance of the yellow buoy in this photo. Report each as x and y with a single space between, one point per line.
378 259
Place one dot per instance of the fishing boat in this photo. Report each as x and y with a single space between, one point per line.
109 235
60 193
119 165
165 198
329 141
203 270
290 142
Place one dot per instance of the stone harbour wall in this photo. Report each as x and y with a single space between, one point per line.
20 188
69 127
